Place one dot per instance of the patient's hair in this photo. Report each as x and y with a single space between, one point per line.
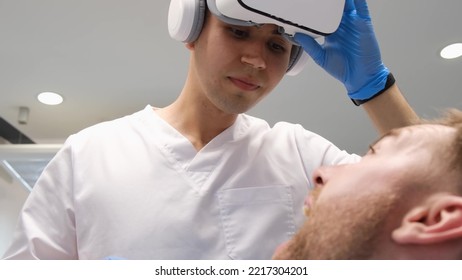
453 118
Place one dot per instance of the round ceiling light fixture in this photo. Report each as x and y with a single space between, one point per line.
452 51
50 98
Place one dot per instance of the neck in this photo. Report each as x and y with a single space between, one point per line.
197 120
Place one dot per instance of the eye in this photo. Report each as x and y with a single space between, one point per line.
371 150
239 33
276 47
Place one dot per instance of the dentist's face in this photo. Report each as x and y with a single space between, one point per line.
236 66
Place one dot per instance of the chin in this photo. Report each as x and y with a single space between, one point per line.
237 109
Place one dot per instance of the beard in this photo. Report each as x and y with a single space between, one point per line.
340 230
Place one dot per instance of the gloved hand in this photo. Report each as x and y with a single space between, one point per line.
351 54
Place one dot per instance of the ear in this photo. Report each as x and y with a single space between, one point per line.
190 46
438 219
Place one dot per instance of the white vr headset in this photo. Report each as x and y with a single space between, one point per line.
313 17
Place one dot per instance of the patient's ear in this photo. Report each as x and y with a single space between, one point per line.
438 219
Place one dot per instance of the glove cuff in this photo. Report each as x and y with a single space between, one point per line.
359 100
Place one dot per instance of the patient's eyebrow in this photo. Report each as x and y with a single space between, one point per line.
391 133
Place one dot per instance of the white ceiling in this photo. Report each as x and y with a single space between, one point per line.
109 58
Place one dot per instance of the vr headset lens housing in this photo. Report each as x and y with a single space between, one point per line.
313 17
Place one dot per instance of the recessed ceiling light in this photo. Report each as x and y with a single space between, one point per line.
452 51
50 98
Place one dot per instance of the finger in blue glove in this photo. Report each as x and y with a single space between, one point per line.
351 54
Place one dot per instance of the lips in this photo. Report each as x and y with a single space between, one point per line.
244 84
308 203
306 206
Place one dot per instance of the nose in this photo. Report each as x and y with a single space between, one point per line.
321 176
253 56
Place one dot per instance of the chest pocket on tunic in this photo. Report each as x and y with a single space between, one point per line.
256 220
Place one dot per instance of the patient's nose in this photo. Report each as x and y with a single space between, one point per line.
320 177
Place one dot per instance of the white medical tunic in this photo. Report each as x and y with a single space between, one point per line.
136 188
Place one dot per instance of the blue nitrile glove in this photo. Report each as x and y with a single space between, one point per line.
351 54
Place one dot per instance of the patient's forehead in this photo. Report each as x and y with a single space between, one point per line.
427 135
432 134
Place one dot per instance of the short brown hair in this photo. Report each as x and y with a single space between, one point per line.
453 118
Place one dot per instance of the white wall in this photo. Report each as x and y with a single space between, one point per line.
12 197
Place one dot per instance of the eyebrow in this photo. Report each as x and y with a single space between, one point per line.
278 30
391 133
